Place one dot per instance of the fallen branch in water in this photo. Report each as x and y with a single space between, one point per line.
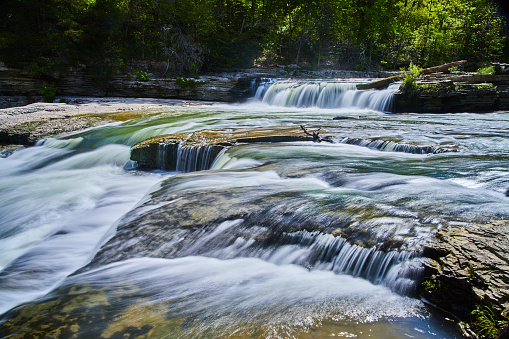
315 135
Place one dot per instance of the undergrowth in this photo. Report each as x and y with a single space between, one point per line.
487 323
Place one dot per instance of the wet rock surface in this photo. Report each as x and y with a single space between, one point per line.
470 266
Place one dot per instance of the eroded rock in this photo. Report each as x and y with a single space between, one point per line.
165 151
471 266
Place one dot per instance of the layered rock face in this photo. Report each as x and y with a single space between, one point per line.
449 93
19 87
471 267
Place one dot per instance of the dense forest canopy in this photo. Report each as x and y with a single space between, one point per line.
169 37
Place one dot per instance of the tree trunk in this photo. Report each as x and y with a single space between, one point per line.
394 78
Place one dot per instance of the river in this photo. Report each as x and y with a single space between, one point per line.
353 217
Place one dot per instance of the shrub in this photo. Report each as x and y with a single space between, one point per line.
48 92
409 77
486 70
188 82
41 66
141 75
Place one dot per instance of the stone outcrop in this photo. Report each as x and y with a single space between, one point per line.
20 87
451 93
162 152
470 266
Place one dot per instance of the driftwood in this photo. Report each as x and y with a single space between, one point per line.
394 78
315 136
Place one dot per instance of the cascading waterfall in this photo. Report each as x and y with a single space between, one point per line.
260 86
331 253
192 159
397 270
239 248
327 95
391 146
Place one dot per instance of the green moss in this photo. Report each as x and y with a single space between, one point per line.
484 86
432 285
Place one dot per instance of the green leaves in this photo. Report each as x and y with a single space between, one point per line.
194 35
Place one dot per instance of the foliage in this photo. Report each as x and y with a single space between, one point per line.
48 92
486 70
188 82
487 324
409 82
432 285
141 75
41 66
187 37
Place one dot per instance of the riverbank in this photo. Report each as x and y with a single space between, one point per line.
25 125
20 87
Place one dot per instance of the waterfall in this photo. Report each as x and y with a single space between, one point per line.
391 146
192 159
260 86
327 95
185 158
398 270
327 252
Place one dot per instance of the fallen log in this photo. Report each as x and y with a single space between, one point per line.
387 81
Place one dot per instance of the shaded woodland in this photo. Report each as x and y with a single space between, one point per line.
189 37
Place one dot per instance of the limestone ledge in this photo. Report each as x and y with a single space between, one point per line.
147 153
453 93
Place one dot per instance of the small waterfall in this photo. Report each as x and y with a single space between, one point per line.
391 146
327 252
399 270
185 158
327 95
192 159
260 86
162 156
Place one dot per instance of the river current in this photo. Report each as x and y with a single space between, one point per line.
398 177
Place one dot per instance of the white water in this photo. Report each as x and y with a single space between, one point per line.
56 208
246 296
327 95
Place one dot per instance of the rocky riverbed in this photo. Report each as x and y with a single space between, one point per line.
468 263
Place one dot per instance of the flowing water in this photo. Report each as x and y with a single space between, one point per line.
290 239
